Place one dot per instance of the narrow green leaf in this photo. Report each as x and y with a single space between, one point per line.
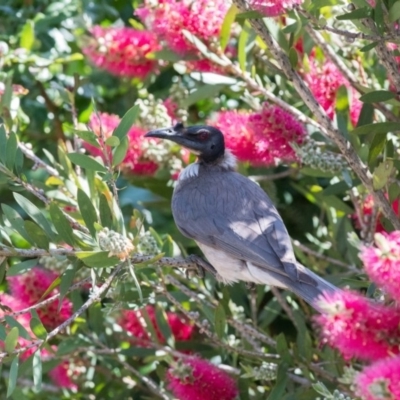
163 325
227 26
394 12
281 383
27 35
35 214
376 147
119 152
366 115
19 161
203 92
11 340
379 127
360 13
167 55
37 328
113 141
394 192
150 328
3 267
37 234
13 376
88 137
62 225
87 211
13 323
377 96
243 38
249 15
381 174
3 144
105 212
21 267
86 162
6 97
320 388
97 259
67 280
369 47
220 320
126 122
11 150
293 57
37 370
16 221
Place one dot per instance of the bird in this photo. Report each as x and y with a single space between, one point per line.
232 220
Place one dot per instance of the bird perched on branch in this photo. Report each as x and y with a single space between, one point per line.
232 219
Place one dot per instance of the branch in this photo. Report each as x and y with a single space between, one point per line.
344 145
31 155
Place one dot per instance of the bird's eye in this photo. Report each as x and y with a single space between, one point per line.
203 135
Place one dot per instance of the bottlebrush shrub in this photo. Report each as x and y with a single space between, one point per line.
197 379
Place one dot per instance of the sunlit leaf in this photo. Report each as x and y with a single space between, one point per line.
11 340
37 370
377 96
227 26
27 35
13 376
86 162
37 328
97 259
119 152
126 122
381 174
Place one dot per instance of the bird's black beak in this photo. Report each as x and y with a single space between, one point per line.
163 133
176 134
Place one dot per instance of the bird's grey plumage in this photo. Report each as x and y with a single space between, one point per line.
232 219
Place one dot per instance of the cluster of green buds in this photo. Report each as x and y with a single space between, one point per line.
265 372
147 244
57 264
116 244
312 154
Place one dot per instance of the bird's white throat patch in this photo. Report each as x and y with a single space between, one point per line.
227 163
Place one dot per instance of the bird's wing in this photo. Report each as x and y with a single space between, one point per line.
229 212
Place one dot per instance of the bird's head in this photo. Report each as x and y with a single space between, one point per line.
205 141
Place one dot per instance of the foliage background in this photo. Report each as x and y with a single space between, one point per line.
41 46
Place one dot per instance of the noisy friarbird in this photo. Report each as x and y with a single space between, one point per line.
232 219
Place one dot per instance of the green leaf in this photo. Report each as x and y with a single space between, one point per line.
203 92
88 137
105 212
67 280
379 127
3 144
278 391
243 38
13 323
249 15
293 57
113 141
381 174
119 152
377 96
19 161
37 234
61 224
11 340
37 328
227 26
37 370
16 221
369 47
35 214
163 325
167 55
87 162
220 320
126 122
97 259
376 147
360 13
21 267
13 376
87 211
12 145
27 35
394 192
394 12
366 115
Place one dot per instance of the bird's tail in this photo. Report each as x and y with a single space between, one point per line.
311 292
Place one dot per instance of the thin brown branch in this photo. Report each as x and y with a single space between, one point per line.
40 163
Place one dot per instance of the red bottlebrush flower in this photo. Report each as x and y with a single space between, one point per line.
197 379
122 51
135 160
273 8
382 263
129 320
172 108
167 19
239 137
380 380
30 287
357 327
274 131
324 81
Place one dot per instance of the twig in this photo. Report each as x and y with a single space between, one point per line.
344 145
93 299
272 177
284 305
31 155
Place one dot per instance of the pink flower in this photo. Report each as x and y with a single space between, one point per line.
172 108
272 8
197 379
29 289
167 19
380 380
239 137
122 51
61 377
129 320
357 327
274 131
382 263
324 81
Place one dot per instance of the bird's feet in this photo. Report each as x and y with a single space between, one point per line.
202 265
